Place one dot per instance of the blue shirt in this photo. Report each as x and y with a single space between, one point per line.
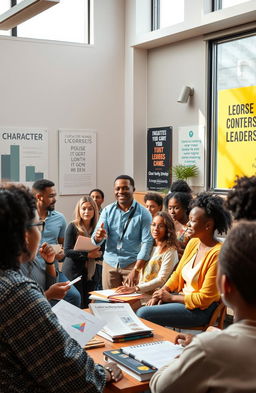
55 226
137 241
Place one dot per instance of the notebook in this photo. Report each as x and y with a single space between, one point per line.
155 354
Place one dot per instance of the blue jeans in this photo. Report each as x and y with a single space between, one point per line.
73 296
176 315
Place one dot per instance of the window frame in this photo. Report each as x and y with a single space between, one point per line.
14 32
212 122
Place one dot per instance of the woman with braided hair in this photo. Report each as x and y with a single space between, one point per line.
190 295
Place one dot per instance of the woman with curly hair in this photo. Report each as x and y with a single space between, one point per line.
37 354
163 258
190 295
241 200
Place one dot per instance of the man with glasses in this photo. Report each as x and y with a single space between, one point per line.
54 229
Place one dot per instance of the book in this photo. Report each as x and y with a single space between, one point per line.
155 354
85 244
124 338
110 295
131 366
79 324
121 320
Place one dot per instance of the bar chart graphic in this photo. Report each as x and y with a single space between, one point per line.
25 161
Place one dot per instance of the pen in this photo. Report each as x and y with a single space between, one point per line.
75 280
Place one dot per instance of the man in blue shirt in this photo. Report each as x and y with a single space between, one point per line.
54 230
125 226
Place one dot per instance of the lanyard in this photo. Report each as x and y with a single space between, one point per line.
128 222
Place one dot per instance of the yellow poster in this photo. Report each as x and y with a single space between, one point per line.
236 139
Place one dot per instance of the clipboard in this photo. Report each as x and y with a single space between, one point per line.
85 244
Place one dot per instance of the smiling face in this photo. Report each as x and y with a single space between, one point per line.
123 192
198 223
47 198
152 207
158 228
176 211
86 211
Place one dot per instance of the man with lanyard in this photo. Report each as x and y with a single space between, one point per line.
54 230
125 226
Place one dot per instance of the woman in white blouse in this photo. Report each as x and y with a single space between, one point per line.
163 260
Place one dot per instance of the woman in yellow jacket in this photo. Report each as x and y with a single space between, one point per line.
190 295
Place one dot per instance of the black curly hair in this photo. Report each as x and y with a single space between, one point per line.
154 196
237 259
214 208
241 200
17 211
180 186
184 198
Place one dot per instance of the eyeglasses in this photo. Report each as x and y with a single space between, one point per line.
158 226
40 225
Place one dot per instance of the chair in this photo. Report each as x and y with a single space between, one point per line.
216 320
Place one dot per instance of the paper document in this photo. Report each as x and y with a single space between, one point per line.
85 244
79 324
121 319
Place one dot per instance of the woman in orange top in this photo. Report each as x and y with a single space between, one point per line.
190 295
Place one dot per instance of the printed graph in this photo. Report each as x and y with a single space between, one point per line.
10 167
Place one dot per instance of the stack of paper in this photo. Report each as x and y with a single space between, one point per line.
121 322
110 295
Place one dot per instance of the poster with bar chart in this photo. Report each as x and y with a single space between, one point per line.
23 154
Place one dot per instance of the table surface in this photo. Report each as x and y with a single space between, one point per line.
128 384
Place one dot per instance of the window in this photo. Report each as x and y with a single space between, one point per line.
219 4
167 13
67 21
4 6
233 117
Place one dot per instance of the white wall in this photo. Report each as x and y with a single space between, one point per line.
162 61
58 85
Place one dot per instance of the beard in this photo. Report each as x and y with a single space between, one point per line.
50 208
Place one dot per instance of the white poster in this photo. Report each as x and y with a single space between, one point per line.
77 161
191 150
24 154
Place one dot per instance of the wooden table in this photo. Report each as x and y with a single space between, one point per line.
129 384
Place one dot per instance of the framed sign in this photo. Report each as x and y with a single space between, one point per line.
159 160
24 154
77 161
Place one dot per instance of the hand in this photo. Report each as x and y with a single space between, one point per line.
60 255
183 339
47 252
125 289
100 234
152 302
113 372
132 279
57 291
163 296
95 253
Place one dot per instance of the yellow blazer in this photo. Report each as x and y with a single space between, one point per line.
206 292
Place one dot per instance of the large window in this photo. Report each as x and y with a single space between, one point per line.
67 21
167 13
219 4
233 118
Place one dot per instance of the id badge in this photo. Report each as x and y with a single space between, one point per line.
119 245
